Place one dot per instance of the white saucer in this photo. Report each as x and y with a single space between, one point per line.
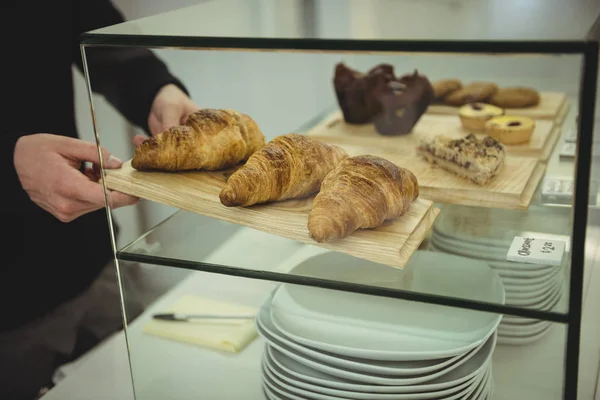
436 381
313 391
388 368
521 340
465 373
344 323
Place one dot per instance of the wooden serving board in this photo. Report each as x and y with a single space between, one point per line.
512 188
540 146
550 106
392 244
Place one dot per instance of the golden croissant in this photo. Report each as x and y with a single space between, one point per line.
290 166
210 140
361 192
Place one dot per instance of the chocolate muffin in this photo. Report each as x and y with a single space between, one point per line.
357 92
393 105
403 104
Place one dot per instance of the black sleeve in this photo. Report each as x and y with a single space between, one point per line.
13 196
127 77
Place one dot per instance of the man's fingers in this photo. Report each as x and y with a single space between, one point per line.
92 195
171 117
189 108
118 199
138 140
80 150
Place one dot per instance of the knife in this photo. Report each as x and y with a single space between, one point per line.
189 317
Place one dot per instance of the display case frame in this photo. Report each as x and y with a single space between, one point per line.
588 48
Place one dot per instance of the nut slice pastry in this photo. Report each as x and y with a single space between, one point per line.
468 157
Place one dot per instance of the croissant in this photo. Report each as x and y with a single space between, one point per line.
210 140
361 192
290 166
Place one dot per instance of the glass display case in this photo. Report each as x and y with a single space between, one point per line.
374 201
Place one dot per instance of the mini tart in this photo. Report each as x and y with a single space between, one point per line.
473 116
510 129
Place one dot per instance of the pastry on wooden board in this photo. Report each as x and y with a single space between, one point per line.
444 87
471 93
478 160
393 104
403 105
211 139
289 167
362 192
511 129
473 116
356 92
515 97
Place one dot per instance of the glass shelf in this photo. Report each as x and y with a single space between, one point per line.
476 21
438 273
164 367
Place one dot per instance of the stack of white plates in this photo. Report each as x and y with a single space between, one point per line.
533 286
335 345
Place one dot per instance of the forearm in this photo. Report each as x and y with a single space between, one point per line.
128 78
14 198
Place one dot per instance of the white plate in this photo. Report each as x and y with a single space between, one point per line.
532 269
389 368
523 330
502 267
496 259
468 372
538 302
276 391
269 393
508 278
465 224
456 376
303 373
317 392
480 390
344 323
532 292
469 245
521 341
343 267
550 305
361 377
465 251
486 391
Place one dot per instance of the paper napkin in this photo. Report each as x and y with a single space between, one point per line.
225 335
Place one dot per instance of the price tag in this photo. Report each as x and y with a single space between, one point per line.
534 250
560 191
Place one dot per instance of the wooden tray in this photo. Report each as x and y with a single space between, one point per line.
391 244
549 107
512 188
540 146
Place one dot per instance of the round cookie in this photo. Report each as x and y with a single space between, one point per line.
515 97
473 116
473 92
444 87
510 129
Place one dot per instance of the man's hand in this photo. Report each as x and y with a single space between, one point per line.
170 107
48 168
